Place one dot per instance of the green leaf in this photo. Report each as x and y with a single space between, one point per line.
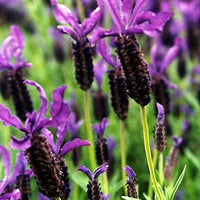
177 184
146 197
193 159
129 198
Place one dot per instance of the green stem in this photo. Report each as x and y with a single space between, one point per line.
123 154
161 168
57 198
105 183
148 153
89 130
155 158
75 191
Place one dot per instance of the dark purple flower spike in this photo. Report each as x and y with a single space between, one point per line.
12 74
159 132
172 159
131 182
101 146
118 87
129 21
94 190
82 52
100 128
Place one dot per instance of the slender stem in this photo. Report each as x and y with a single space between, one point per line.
89 130
75 191
123 154
161 168
105 183
80 9
148 153
155 158
57 198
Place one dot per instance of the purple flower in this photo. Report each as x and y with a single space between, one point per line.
161 59
161 115
129 20
130 173
105 197
101 169
99 71
177 141
37 122
100 128
75 30
12 49
74 126
9 180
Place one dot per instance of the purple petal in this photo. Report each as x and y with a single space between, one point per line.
105 52
49 136
42 197
99 33
73 125
89 23
43 107
113 10
136 10
150 23
111 144
105 197
99 71
18 36
130 173
20 144
5 156
86 171
73 144
100 128
61 132
19 167
63 15
9 120
101 169
161 115
69 31
171 54
14 195
126 9
177 141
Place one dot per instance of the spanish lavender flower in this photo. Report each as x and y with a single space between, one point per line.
131 182
160 137
82 54
7 189
160 85
100 100
118 89
93 187
58 44
105 197
172 160
102 154
43 155
127 22
12 48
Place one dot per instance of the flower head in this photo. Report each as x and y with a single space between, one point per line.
177 141
12 49
130 173
100 128
129 18
75 30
